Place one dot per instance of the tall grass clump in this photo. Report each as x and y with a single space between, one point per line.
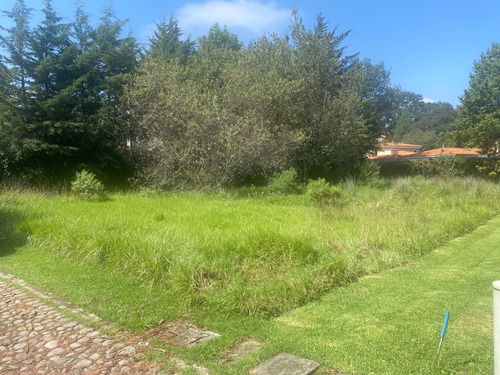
255 256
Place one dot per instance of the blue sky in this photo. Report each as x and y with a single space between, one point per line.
428 45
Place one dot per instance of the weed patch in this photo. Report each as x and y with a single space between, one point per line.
257 256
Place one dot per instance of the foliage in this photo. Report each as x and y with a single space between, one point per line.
233 114
378 105
166 43
369 173
428 125
286 182
63 83
478 123
253 256
87 185
206 115
490 170
321 192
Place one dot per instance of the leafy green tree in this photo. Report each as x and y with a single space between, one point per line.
5 88
235 113
428 126
17 76
403 101
478 122
107 65
436 117
82 32
377 94
404 125
216 51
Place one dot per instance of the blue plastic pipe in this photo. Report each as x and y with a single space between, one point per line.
446 317
443 331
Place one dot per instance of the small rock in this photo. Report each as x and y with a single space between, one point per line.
52 344
20 346
128 350
55 352
83 363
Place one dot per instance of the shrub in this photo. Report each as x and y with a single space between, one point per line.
369 172
286 182
440 166
321 192
87 185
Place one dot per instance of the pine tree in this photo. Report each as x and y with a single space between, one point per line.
20 58
49 42
166 43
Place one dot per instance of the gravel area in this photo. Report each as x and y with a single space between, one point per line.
38 339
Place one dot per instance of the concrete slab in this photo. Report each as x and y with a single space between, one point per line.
286 364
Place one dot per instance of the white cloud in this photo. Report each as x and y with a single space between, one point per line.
246 15
429 100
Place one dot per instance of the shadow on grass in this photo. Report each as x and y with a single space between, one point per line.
10 238
9 246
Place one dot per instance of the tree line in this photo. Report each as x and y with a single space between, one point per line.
193 114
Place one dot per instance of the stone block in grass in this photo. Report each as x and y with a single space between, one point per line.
286 364
182 333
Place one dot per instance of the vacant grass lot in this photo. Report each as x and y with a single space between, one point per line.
230 262
252 256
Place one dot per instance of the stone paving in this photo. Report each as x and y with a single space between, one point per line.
36 339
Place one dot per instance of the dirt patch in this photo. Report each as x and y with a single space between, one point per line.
182 334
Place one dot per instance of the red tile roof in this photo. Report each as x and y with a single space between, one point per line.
450 151
430 153
399 154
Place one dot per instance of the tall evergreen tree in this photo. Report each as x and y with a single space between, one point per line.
82 32
335 137
49 42
17 43
166 43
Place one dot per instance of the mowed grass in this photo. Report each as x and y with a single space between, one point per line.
242 265
390 323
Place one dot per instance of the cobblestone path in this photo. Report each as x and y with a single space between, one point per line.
38 339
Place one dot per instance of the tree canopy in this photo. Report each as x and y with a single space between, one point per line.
61 88
478 121
181 113
427 124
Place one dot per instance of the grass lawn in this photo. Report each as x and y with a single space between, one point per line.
390 323
279 269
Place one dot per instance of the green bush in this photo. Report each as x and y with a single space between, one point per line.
440 166
87 185
321 192
286 182
369 172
